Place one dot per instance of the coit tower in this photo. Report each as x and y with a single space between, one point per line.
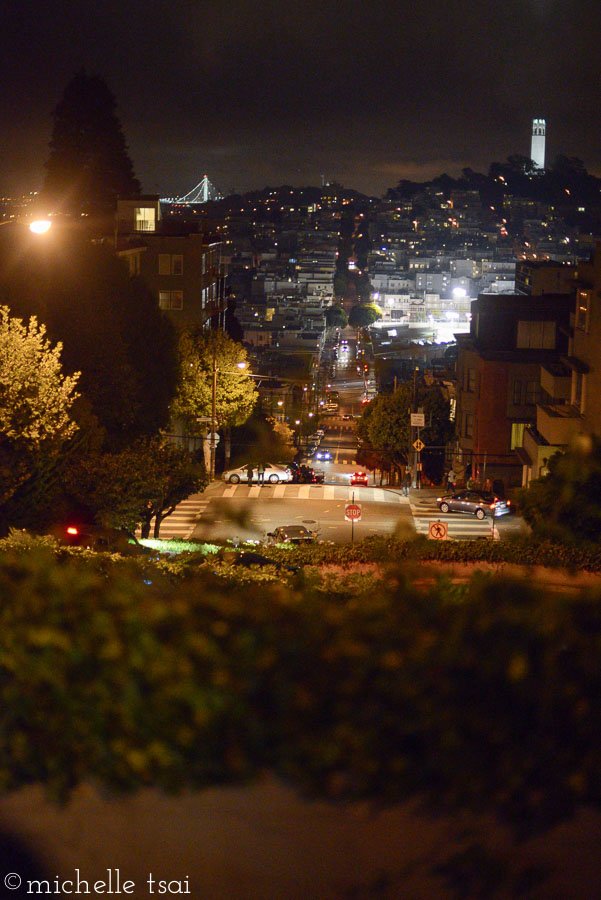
537 147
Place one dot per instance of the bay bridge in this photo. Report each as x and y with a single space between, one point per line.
204 192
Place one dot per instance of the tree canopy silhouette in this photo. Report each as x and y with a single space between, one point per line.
89 164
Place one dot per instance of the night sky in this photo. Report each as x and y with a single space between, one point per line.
285 91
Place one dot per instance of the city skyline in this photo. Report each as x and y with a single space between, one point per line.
258 95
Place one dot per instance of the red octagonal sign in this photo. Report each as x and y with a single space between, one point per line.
352 512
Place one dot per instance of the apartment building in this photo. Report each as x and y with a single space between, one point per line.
571 402
182 268
499 375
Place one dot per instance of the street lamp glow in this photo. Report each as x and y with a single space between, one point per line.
40 226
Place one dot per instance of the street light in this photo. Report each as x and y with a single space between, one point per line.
40 226
240 365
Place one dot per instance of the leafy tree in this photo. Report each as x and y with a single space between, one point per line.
262 439
362 247
142 482
336 317
236 394
364 314
109 324
385 426
340 284
566 502
363 288
233 328
35 400
88 166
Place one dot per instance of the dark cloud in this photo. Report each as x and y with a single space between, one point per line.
285 90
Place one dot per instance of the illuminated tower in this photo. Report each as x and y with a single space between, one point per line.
537 147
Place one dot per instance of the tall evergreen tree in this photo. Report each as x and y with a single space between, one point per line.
89 164
110 327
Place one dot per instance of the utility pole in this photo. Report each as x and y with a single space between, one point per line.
213 414
414 430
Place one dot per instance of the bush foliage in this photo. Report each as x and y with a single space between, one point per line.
485 694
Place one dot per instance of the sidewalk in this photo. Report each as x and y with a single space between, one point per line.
425 493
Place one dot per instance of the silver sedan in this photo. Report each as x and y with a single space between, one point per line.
273 474
475 503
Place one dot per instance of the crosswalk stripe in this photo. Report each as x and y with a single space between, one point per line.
457 525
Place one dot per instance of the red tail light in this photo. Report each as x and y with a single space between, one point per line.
72 530
509 503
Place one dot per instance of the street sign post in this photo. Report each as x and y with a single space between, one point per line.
438 531
352 514
213 438
419 445
418 420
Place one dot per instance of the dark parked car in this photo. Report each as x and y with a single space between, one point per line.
303 474
291 534
475 503
103 540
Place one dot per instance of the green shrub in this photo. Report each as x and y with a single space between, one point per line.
486 694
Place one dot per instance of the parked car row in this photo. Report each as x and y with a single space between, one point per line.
273 474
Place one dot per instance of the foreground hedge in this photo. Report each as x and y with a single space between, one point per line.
522 552
486 694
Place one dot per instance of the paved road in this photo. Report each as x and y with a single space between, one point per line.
424 510
226 510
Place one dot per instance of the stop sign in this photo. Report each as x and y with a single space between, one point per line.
352 512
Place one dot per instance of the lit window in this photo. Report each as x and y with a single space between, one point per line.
171 264
517 434
583 300
145 218
171 299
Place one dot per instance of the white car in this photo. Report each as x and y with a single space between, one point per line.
273 474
